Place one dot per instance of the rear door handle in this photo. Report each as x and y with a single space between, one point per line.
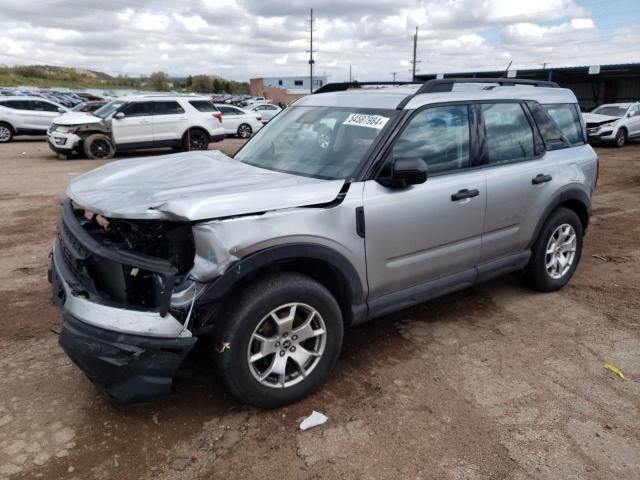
541 178
463 194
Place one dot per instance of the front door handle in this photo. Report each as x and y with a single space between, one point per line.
463 194
541 178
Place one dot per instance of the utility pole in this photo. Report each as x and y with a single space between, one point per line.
350 74
311 60
394 77
414 61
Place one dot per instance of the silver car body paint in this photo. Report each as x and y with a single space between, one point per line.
194 186
413 235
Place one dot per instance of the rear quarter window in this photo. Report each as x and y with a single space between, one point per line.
567 118
203 105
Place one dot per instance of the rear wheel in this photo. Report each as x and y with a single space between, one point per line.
6 133
281 339
196 139
98 147
244 131
556 252
621 138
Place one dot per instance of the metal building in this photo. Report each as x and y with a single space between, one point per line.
593 85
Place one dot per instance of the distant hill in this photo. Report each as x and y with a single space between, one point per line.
45 76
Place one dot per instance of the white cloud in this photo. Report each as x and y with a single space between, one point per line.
241 39
192 23
150 22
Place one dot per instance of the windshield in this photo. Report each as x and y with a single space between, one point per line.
108 109
611 110
321 142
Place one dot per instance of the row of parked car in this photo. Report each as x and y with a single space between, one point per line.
98 129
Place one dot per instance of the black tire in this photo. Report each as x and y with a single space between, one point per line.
537 274
98 147
245 130
196 139
6 132
247 312
621 138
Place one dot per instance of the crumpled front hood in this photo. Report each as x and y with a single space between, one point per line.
597 118
76 118
194 186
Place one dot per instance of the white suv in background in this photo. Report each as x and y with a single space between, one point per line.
138 122
613 122
22 115
239 122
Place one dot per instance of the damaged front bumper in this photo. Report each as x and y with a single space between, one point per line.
131 354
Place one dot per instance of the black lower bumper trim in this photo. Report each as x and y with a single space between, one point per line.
127 369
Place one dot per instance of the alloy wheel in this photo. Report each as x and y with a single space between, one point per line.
198 141
287 345
100 149
561 251
5 134
244 131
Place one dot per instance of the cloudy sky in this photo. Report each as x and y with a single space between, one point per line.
240 39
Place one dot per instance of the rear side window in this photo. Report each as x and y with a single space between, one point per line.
168 108
509 133
566 117
438 135
18 104
203 105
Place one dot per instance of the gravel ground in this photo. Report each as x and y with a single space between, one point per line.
489 383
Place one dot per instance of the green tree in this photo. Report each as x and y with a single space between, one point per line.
202 83
159 81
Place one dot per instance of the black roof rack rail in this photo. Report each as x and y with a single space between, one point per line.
446 84
342 86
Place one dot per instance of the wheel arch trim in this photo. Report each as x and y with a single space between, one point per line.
567 196
281 254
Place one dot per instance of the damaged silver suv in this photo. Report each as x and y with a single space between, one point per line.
353 203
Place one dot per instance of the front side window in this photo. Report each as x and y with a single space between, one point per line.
168 108
439 136
45 106
320 142
137 109
509 133
566 117
109 108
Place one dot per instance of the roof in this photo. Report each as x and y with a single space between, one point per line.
152 97
391 97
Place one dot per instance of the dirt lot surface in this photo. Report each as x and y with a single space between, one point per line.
489 383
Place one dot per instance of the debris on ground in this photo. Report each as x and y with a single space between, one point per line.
313 420
600 257
615 370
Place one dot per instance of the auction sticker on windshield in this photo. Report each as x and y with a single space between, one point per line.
363 120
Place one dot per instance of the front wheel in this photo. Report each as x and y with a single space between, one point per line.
621 138
6 133
98 147
281 339
556 252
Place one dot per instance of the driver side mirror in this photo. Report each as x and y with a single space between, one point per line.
119 116
406 172
62 110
